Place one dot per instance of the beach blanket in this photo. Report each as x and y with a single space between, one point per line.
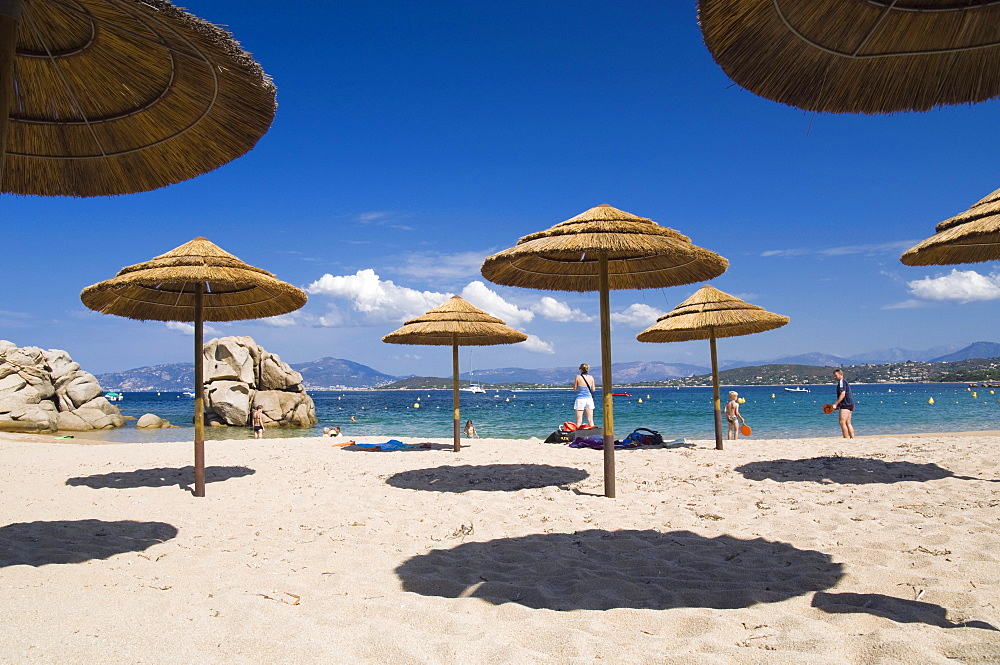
597 443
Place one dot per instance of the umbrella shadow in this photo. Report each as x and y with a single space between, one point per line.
895 609
76 541
486 477
846 471
158 477
602 570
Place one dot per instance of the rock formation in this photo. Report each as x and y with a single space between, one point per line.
239 375
152 421
46 390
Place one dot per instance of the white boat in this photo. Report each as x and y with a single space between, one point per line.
188 393
798 390
114 396
473 389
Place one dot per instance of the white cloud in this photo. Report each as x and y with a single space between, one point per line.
637 315
375 301
280 321
961 286
906 304
555 310
536 345
188 328
386 218
489 300
435 265
865 250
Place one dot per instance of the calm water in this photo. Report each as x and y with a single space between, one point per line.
771 411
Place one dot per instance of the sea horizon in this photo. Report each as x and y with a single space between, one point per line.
676 412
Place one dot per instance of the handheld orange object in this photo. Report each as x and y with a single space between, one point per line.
745 430
828 408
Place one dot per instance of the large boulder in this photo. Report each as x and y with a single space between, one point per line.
230 400
149 421
239 375
229 359
45 389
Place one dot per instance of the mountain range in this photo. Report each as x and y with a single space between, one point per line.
336 372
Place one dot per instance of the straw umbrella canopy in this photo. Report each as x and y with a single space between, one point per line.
198 282
103 97
598 250
710 314
971 237
858 56
455 323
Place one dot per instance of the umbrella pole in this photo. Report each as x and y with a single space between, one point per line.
608 399
10 16
715 391
454 392
199 397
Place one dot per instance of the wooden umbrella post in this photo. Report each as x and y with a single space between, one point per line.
454 393
10 17
199 396
606 382
715 390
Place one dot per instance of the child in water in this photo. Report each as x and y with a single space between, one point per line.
732 415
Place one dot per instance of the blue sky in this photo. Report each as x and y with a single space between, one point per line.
414 139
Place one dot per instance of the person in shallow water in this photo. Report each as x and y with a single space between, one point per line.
845 404
258 422
583 384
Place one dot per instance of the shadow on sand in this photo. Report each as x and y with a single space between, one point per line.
845 470
486 477
896 609
159 477
76 541
602 570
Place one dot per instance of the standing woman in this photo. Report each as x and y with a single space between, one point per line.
584 387
845 403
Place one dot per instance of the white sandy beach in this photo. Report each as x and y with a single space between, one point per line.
882 550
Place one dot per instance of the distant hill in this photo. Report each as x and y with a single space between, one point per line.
972 370
329 372
174 377
974 350
630 372
316 375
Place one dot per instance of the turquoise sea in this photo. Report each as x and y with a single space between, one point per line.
686 413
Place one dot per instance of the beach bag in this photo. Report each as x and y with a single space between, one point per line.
653 437
559 436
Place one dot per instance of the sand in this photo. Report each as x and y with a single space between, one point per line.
823 551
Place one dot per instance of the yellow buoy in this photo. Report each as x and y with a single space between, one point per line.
974 395
889 390
647 396
991 392
741 400
772 395
416 405
507 400
640 400
418 399
930 401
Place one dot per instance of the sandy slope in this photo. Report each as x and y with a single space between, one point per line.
882 550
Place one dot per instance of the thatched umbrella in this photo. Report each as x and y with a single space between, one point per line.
101 97
858 56
455 323
971 237
198 282
598 250
710 314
